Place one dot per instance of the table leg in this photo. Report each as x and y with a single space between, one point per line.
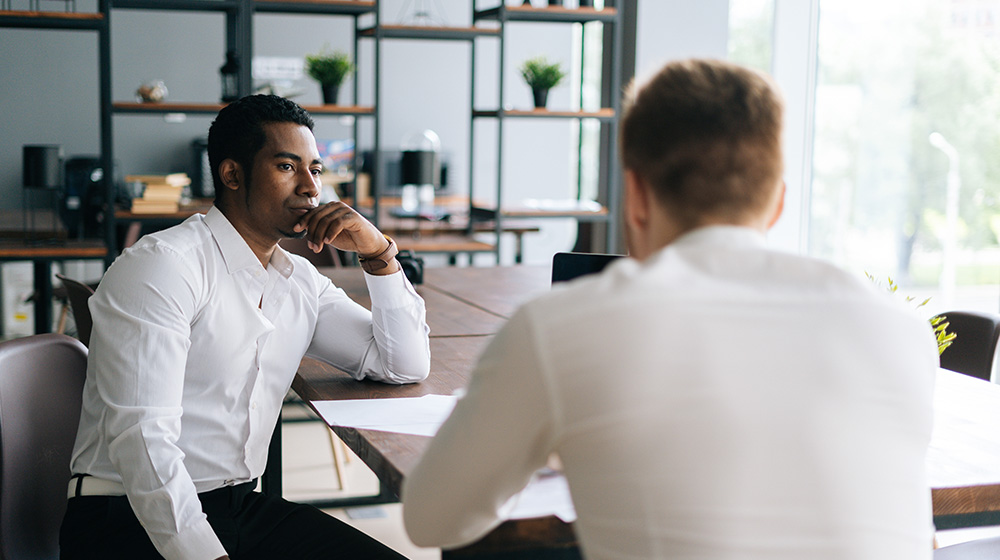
43 296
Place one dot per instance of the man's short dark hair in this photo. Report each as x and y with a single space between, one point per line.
237 132
706 136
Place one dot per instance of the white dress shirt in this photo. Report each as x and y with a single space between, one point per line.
193 348
718 401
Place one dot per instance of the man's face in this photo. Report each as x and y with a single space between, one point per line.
284 181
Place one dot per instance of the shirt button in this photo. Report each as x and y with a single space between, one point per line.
253 406
256 274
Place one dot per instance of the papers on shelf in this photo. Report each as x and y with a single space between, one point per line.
420 416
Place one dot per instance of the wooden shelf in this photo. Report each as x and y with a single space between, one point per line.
339 110
548 14
178 5
328 7
51 20
583 214
426 32
449 244
601 114
213 108
160 108
11 249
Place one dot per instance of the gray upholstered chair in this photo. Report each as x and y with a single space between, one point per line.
41 389
975 343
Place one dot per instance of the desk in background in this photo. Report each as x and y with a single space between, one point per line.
963 462
42 255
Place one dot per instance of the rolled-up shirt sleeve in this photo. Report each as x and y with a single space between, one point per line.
389 343
139 349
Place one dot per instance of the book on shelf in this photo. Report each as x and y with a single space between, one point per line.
162 192
146 206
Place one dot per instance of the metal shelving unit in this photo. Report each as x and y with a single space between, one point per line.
93 22
607 115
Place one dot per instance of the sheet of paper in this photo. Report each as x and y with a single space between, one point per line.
420 416
546 494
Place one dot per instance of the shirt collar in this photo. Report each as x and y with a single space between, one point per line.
724 235
235 251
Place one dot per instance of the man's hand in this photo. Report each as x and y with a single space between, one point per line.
343 227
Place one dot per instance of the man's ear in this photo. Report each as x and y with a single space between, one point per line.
778 208
636 212
231 174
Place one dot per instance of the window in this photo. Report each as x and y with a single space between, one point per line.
906 116
751 26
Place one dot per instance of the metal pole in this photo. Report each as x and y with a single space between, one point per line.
949 238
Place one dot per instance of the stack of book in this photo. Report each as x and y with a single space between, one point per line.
161 194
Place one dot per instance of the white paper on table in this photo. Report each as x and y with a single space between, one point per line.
546 494
419 416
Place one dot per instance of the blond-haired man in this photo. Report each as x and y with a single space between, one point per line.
708 397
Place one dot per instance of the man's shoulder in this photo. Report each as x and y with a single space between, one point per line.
184 246
190 235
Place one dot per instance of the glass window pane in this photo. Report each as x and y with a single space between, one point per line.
751 27
907 102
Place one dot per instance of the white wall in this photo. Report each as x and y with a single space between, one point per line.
676 29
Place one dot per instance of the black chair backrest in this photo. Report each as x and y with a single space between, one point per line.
329 256
972 351
78 294
567 266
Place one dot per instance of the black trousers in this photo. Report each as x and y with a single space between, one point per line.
250 525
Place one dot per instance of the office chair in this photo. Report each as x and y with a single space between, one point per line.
41 388
78 293
981 549
975 343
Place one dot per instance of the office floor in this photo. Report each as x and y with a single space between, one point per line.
309 475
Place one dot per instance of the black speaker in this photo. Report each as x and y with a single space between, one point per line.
81 206
42 167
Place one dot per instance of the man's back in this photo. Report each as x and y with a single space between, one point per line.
728 401
717 401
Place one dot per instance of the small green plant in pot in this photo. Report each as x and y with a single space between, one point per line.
329 68
541 76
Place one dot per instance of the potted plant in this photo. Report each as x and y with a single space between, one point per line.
329 68
541 76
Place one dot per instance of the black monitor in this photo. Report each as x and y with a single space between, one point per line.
567 266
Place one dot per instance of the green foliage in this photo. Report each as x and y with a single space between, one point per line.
938 322
540 74
329 67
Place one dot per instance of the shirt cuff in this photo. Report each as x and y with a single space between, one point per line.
390 291
194 543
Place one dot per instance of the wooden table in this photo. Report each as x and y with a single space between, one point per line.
42 254
963 461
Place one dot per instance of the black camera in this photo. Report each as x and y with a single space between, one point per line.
412 265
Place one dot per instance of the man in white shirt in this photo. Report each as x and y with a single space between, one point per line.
198 332
707 397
